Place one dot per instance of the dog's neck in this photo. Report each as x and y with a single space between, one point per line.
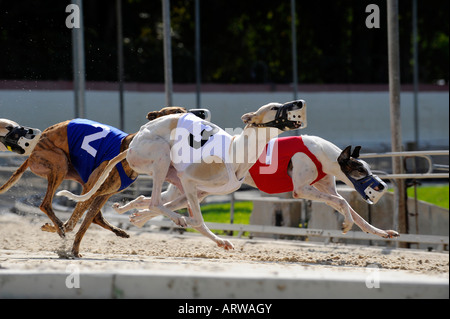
248 146
328 159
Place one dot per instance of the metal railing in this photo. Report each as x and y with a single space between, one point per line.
423 154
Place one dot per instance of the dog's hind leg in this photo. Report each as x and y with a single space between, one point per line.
94 209
142 202
197 221
101 221
173 199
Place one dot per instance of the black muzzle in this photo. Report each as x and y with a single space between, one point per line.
20 140
290 116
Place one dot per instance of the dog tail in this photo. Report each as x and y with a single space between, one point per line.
15 177
82 198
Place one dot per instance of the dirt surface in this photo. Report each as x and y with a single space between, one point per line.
23 246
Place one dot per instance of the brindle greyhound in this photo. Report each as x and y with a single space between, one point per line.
52 158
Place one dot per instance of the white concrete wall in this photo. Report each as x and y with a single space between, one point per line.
341 117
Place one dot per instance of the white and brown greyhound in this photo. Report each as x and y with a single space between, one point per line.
199 158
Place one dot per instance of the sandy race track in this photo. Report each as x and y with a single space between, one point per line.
25 248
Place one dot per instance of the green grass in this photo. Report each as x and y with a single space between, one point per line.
437 195
220 213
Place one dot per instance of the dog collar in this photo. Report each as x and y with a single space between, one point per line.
366 187
21 139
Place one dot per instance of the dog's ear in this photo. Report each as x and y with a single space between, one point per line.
153 115
246 118
165 111
345 155
355 153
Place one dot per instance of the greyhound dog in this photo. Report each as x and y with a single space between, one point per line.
307 166
202 157
73 150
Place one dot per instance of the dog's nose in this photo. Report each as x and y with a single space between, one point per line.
299 103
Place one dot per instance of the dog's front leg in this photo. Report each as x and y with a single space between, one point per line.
368 228
328 185
337 202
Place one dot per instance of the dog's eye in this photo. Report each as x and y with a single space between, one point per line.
274 108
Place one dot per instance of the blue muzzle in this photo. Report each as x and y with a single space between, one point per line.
371 188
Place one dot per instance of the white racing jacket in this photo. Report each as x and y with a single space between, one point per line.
196 141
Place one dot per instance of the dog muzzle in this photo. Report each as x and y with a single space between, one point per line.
21 140
290 116
204 114
371 188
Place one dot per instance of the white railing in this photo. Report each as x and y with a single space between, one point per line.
423 154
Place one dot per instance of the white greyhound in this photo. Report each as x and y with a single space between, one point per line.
308 167
200 159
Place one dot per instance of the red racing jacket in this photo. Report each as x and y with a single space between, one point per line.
270 172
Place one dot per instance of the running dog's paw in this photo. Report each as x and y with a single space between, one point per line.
226 244
346 226
120 232
391 234
53 229
49 228
180 221
116 207
138 219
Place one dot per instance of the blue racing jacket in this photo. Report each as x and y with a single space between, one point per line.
91 143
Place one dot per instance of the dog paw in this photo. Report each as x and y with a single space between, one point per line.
137 219
121 233
49 228
226 244
53 229
391 234
76 254
181 221
346 226
116 207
